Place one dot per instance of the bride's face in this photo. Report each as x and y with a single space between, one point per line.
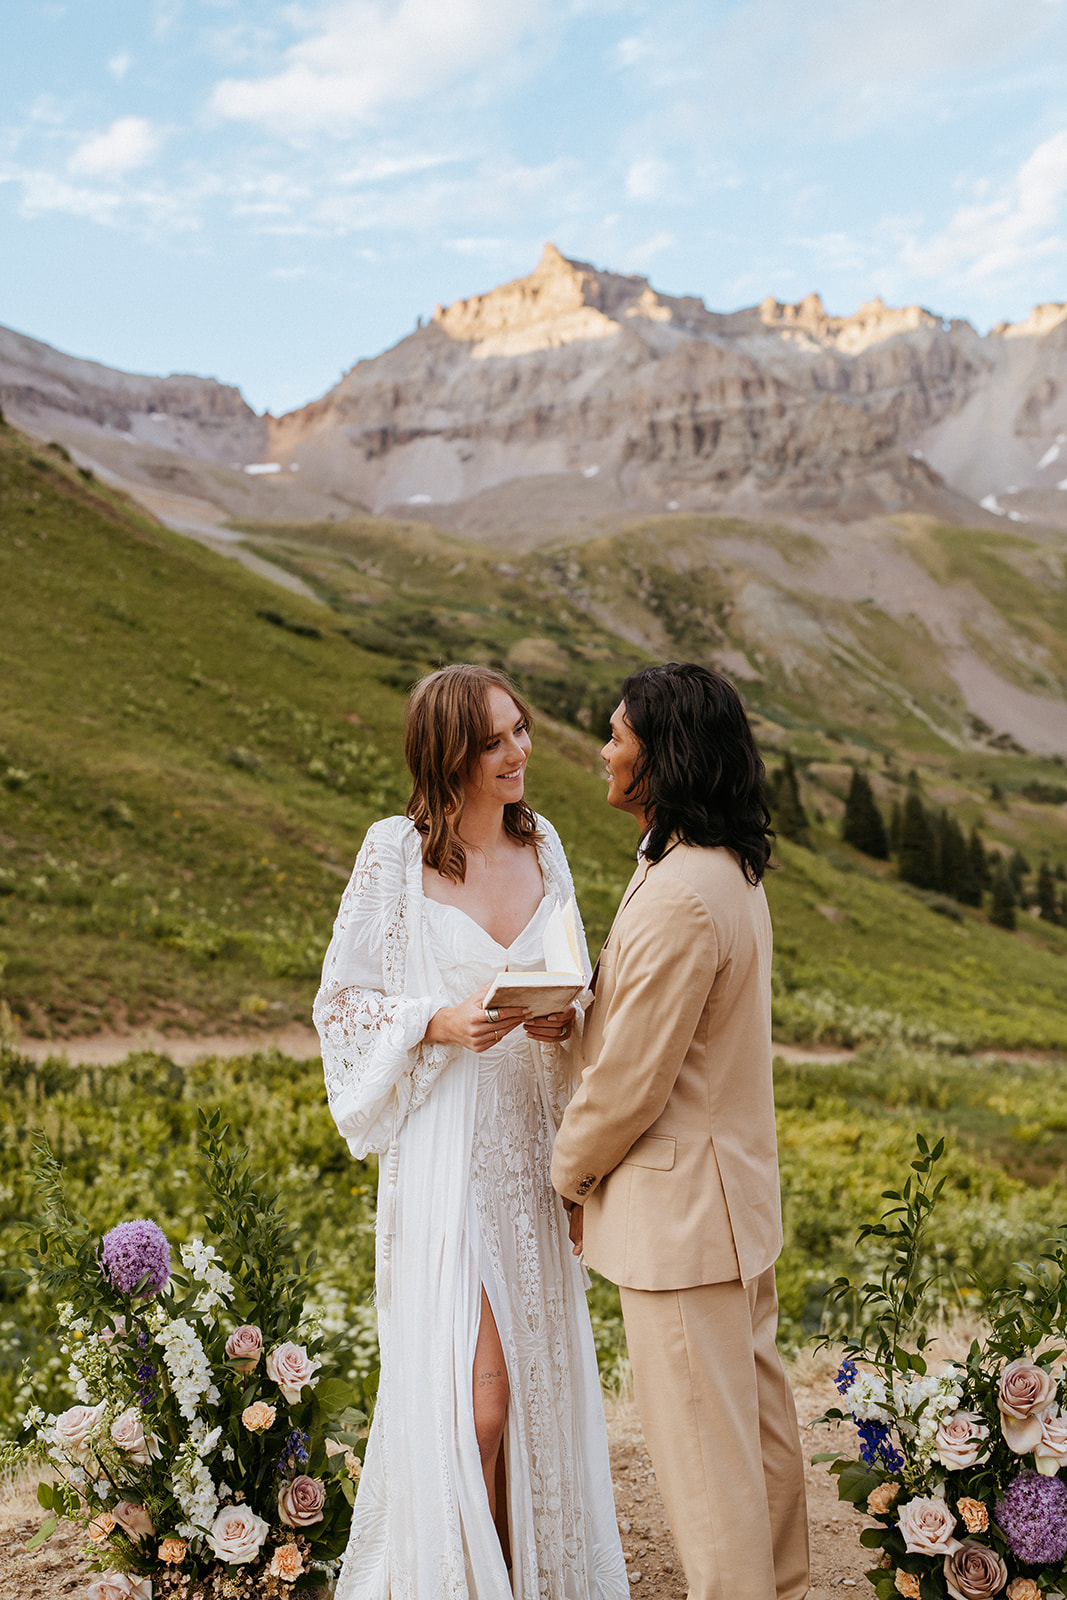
498 773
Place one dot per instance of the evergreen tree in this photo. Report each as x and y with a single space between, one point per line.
1046 894
1061 873
1002 911
917 862
1018 868
979 860
957 874
863 827
790 818
896 818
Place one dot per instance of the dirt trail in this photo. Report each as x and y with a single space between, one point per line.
296 1040
57 1571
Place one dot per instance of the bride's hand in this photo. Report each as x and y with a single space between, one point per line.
556 1028
470 1025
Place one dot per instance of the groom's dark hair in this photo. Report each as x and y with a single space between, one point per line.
699 776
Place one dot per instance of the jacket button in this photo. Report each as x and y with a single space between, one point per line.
586 1183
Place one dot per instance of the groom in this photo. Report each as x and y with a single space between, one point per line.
668 1149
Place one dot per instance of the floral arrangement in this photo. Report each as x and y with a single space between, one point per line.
963 1471
210 1454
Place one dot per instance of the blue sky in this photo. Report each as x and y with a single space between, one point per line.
264 193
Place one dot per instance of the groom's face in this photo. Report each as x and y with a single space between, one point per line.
620 756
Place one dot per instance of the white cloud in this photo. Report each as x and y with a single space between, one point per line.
361 57
119 65
130 142
648 179
1000 232
643 254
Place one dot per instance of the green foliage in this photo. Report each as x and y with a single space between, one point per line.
1002 909
917 851
787 811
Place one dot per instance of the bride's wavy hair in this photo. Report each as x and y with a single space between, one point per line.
447 729
699 776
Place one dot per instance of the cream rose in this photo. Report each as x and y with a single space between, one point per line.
301 1502
290 1367
127 1431
258 1417
974 1572
961 1440
101 1527
907 1584
974 1514
244 1348
133 1520
172 1551
286 1563
1026 1393
237 1535
1050 1453
74 1431
1023 1589
879 1500
927 1527
120 1586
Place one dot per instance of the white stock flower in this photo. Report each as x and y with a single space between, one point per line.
866 1398
202 1261
190 1371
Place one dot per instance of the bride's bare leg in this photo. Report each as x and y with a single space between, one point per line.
490 1400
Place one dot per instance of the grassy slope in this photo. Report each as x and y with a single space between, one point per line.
186 783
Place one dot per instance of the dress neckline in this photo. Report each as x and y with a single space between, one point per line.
446 905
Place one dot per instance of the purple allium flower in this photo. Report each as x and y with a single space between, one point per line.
1033 1514
132 1251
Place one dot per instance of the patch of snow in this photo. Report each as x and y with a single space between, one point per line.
294 466
672 505
1050 455
1017 516
916 455
420 500
989 503
1062 484
590 472
158 416
258 469
1013 488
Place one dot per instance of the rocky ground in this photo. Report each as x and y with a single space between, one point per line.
57 1570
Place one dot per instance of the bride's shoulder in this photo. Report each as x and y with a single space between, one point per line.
552 843
394 837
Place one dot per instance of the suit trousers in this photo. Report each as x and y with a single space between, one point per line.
721 1429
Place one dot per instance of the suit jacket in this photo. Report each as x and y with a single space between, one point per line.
669 1141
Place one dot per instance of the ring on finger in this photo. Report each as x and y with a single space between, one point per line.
492 1013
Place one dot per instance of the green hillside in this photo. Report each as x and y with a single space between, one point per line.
189 757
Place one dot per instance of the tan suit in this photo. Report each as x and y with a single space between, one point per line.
669 1143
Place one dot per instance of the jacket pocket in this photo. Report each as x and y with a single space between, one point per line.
654 1150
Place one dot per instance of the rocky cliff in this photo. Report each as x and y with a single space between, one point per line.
576 393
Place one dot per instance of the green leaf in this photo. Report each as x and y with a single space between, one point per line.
334 1395
871 1538
46 1530
856 1482
45 1495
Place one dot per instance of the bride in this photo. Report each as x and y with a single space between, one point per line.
486 1476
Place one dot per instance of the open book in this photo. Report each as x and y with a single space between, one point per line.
562 978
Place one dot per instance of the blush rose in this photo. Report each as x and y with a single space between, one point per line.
290 1367
962 1440
133 1520
127 1431
974 1572
237 1535
1050 1453
244 1348
301 1502
74 1430
927 1527
120 1586
1026 1392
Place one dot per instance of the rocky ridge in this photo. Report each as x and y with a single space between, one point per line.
577 395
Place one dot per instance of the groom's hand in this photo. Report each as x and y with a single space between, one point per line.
556 1028
575 1225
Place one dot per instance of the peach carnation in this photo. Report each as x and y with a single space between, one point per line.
172 1551
1023 1589
908 1585
879 1500
286 1563
974 1515
101 1527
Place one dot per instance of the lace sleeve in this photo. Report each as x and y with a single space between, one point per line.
562 1062
374 1062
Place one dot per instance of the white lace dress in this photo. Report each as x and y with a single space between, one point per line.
465 1201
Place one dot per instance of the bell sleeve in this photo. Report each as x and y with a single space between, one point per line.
374 1060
